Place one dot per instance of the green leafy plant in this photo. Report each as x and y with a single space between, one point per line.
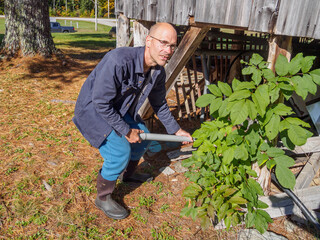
248 118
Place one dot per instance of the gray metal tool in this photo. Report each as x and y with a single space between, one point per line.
163 137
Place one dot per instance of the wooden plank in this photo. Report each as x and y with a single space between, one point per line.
123 30
228 52
185 50
308 172
178 99
192 94
186 102
298 18
227 12
281 204
262 12
175 11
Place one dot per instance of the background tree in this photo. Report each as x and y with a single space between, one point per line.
27 28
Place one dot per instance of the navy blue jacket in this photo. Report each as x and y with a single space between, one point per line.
111 88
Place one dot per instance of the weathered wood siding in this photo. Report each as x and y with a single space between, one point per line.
263 15
298 18
173 11
227 12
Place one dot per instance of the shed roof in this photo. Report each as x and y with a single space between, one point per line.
298 18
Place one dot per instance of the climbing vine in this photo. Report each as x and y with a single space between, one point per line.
248 119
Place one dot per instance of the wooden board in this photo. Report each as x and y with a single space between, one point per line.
298 18
308 172
123 30
228 12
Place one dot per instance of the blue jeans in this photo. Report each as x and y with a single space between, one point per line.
117 151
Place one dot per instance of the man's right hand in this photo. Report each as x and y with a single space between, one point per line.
133 135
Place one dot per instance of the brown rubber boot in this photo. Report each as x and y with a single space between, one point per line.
105 202
131 176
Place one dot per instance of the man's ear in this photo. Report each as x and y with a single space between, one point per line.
148 41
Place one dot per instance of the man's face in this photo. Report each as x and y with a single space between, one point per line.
161 46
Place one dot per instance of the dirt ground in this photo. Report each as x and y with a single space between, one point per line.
48 169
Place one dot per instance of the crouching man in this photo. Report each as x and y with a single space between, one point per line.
106 111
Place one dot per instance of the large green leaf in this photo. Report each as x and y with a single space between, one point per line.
215 105
261 99
223 110
244 85
252 111
254 186
274 94
235 83
275 152
260 223
241 152
306 63
238 200
282 110
250 219
213 88
241 94
298 135
284 160
262 158
239 112
228 156
286 86
248 70
285 176
268 74
282 65
256 76
192 190
272 128
205 100
255 59
294 65
297 121
315 74
308 84
286 140
225 88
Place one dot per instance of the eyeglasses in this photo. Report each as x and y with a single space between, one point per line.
165 44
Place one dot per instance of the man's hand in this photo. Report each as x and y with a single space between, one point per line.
181 132
133 135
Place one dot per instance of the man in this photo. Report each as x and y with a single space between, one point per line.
107 108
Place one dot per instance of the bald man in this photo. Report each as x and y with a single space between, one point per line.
107 110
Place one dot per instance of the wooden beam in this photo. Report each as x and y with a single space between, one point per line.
123 30
189 43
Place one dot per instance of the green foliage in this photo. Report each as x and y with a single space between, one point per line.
248 118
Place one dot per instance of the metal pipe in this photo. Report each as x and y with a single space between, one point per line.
163 137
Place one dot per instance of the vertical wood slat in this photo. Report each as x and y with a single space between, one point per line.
123 32
262 11
227 12
192 93
298 18
186 102
178 99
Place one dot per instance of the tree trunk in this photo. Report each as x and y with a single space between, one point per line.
27 28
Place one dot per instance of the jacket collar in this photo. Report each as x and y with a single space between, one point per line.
140 60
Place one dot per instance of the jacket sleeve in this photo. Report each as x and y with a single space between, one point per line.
106 87
157 99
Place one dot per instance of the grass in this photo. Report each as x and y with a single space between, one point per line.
85 38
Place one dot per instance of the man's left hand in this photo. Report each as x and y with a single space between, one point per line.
182 132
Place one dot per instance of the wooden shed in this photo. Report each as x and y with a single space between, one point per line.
268 27
213 35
